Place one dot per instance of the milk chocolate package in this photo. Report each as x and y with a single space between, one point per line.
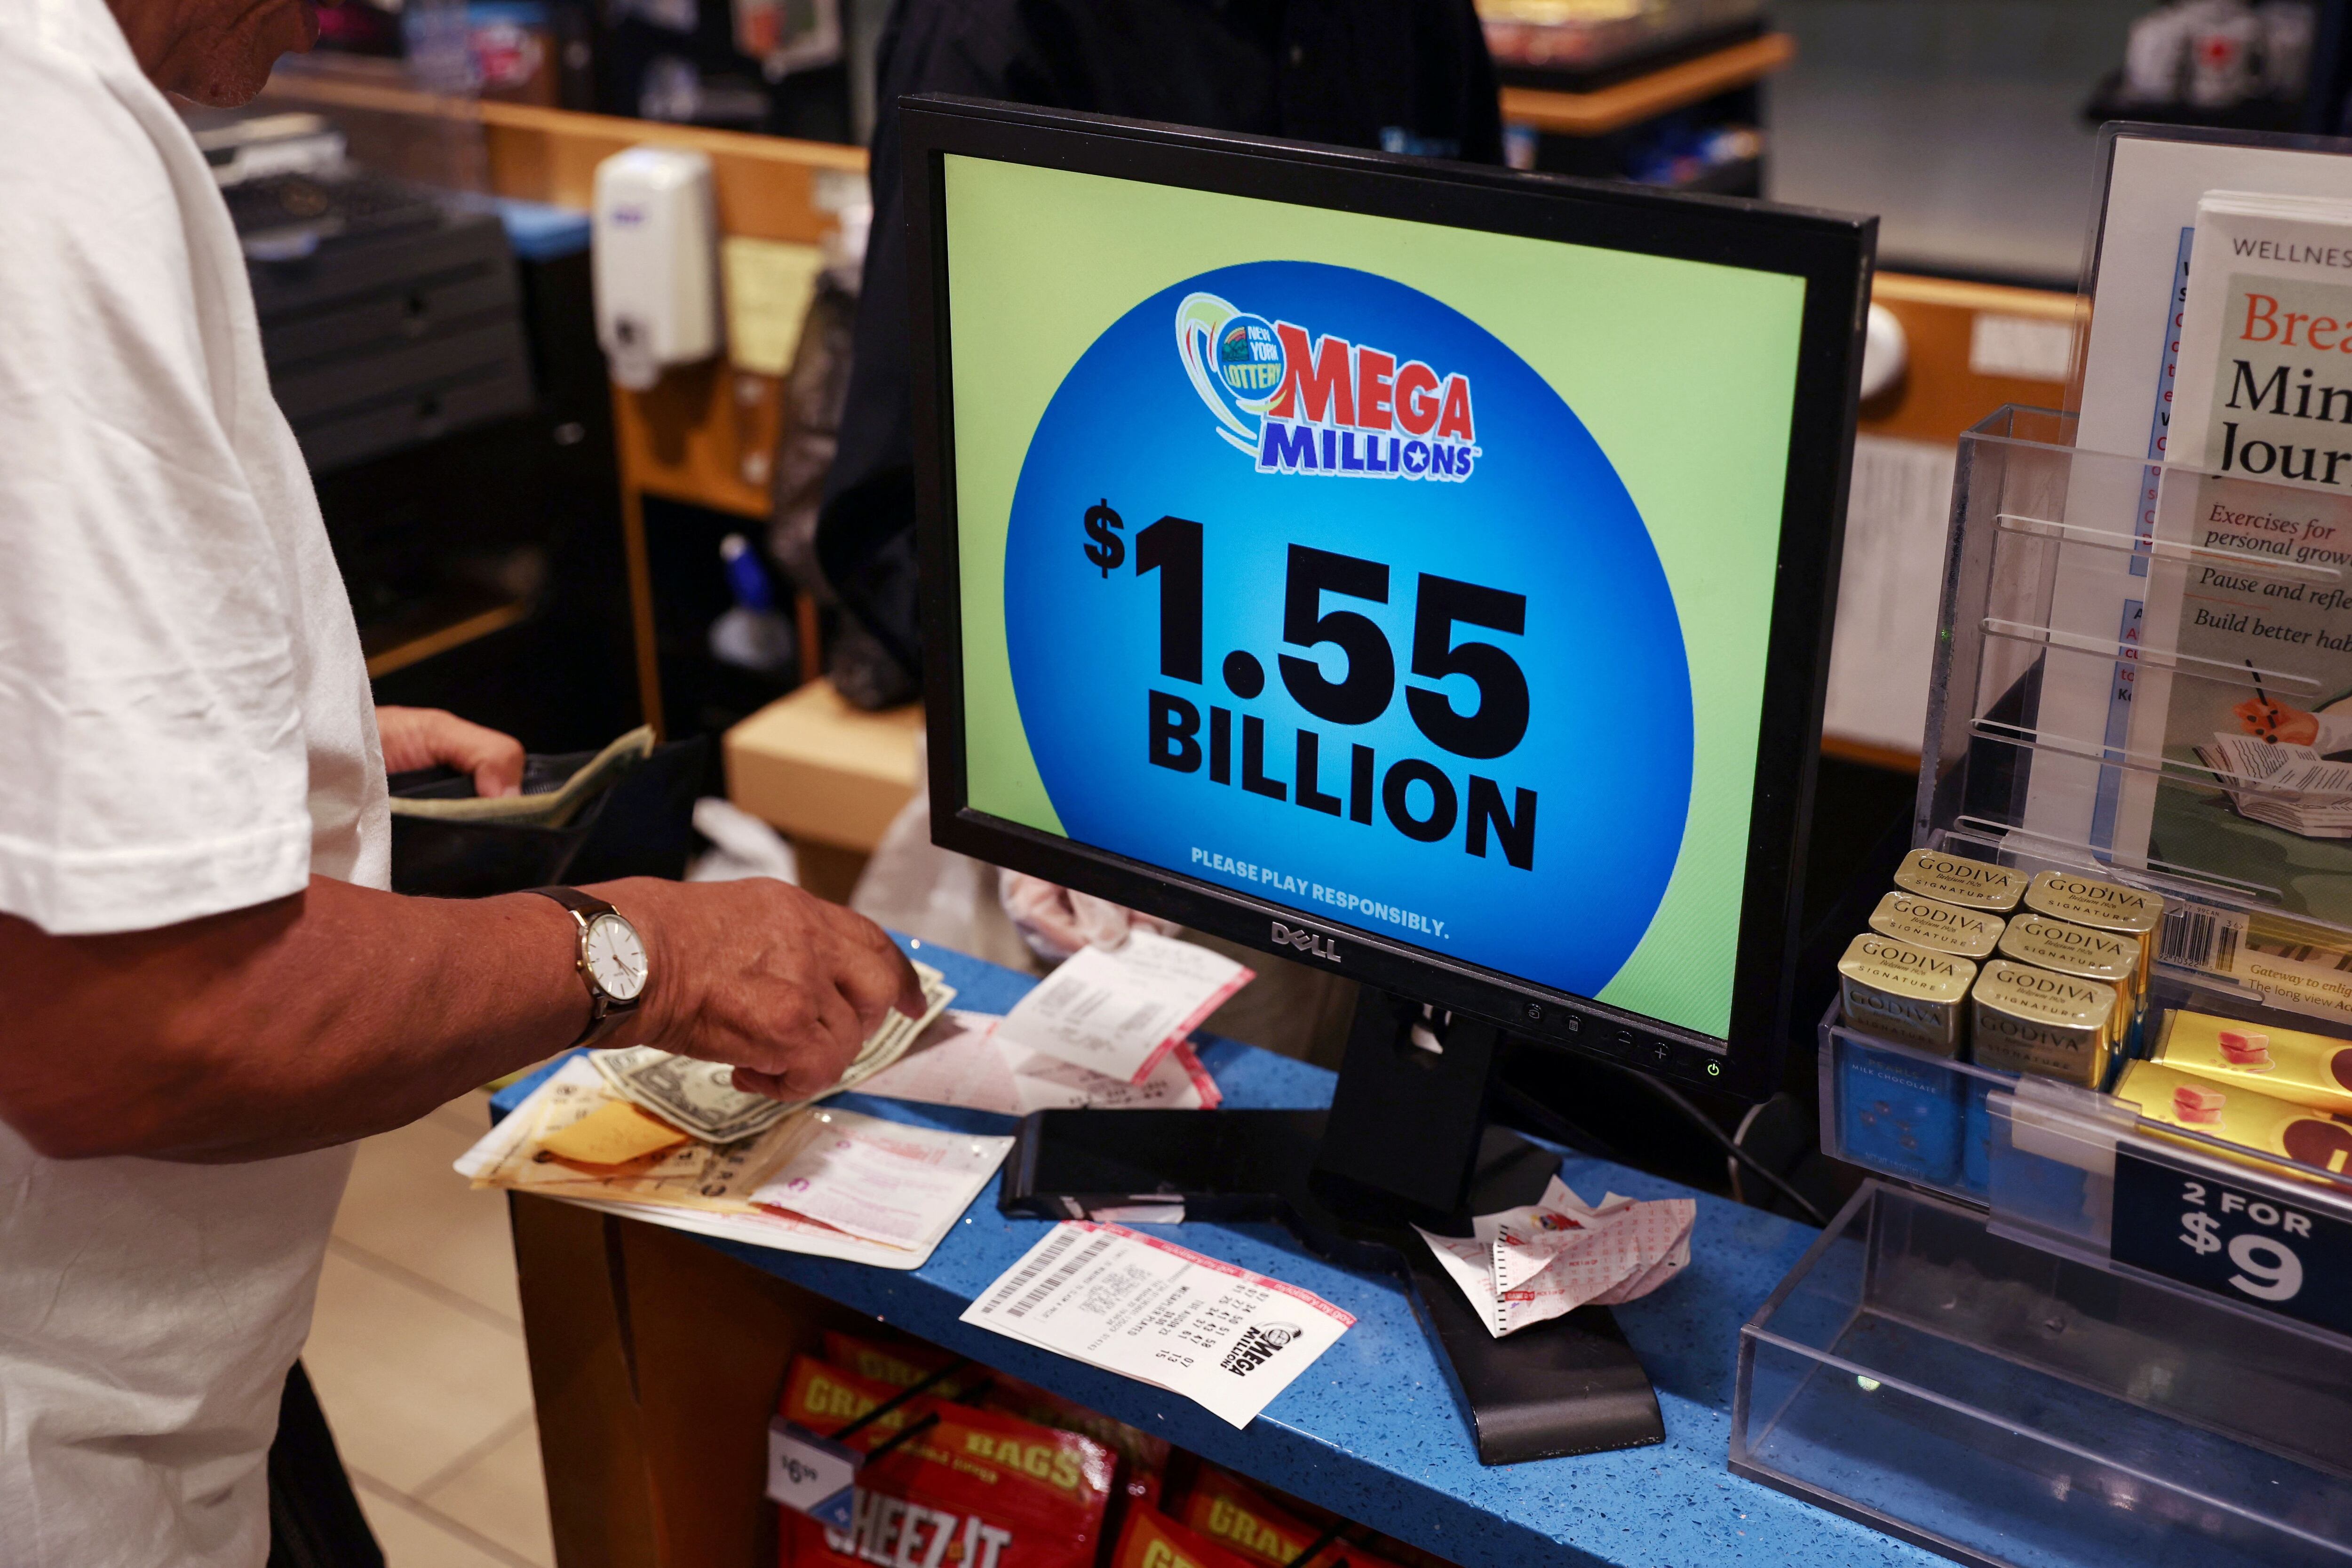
2307 1069
2111 958
1899 992
2103 906
1958 879
1965 933
2236 1114
2028 1020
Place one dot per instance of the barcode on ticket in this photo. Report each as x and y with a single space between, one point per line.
1059 1278
1060 1242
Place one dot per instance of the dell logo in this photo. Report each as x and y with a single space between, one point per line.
1308 942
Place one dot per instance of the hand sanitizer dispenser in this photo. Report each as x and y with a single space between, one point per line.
655 262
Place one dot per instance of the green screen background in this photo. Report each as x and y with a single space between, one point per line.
1684 372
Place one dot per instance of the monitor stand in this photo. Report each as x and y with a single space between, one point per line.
1404 1141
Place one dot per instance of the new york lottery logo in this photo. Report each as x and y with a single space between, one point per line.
1303 404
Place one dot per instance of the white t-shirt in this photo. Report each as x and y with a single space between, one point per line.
185 728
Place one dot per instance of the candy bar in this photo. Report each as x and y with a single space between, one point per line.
2239 1114
2302 1068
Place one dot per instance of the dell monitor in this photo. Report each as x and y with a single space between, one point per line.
1419 570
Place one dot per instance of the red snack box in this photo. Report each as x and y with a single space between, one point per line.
977 1489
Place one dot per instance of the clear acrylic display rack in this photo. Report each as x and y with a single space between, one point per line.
2020 1346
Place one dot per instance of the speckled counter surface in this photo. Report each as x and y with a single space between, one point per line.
1370 1429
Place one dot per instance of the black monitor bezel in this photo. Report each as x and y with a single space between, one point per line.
1832 252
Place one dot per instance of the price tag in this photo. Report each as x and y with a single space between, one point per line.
810 1475
2235 1242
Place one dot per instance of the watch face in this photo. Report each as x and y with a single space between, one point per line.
615 958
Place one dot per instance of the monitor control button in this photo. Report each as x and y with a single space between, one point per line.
1698 1063
1660 1052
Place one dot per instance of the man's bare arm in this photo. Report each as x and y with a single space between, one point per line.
342 1011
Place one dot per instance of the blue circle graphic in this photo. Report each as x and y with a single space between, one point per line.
1603 767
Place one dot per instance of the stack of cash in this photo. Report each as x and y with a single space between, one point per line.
700 1097
706 1144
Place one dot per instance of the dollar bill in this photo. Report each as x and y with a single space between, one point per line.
696 1174
700 1097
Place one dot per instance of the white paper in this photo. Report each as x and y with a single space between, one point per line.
1177 1082
2152 188
1119 1013
1883 653
1222 1337
956 1062
1527 1265
882 1181
782 1232
576 1084
960 1062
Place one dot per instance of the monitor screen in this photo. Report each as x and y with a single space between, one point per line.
1417 578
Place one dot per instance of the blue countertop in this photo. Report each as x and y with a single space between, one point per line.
1370 1429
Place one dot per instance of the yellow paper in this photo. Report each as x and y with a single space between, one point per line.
613 1135
769 286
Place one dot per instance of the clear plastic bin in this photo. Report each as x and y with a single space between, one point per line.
1907 1113
2089 663
1986 1399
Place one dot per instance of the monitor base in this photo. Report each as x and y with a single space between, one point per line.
1568 1386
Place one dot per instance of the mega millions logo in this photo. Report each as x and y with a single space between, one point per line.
1320 405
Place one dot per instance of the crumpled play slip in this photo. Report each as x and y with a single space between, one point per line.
1525 1265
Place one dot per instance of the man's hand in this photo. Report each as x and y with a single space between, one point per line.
762 974
416 738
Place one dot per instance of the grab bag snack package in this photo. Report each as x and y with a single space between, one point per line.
1236 1517
901 1364
1143 1458
975 1490
1152 1539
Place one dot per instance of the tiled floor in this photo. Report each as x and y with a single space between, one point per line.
417 1355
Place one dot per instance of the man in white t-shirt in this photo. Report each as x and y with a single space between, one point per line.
205 993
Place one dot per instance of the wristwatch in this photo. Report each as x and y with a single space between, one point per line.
612 961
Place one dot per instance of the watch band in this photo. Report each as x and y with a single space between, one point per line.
578 902
606 1012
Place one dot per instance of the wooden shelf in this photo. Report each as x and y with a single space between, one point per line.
409 649
1644 98
1942 392
766 185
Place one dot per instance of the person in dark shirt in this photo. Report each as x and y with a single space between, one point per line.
1404 76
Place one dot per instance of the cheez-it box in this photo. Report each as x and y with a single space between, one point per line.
976 1489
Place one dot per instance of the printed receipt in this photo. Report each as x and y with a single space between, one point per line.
882 1181
1221 1336
1119 1013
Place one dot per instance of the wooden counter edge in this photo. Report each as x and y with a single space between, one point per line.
1628 102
